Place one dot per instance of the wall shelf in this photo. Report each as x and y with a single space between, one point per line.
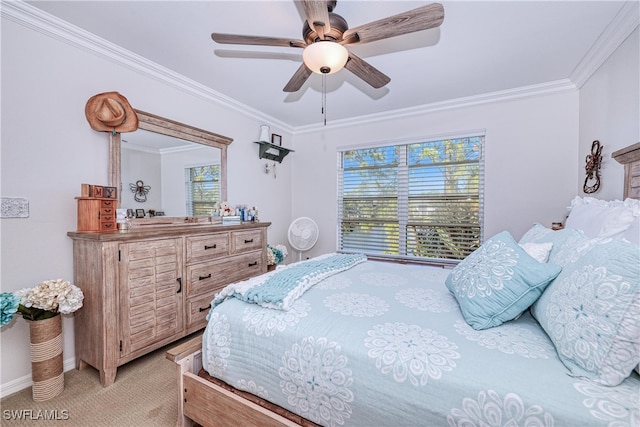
272 152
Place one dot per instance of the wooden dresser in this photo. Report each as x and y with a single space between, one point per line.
145 288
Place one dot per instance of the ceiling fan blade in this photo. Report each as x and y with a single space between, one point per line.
317 16
366 71
256 40
298 79
422 18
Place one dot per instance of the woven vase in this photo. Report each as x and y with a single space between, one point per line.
46 358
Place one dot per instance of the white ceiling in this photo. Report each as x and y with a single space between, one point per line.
481 48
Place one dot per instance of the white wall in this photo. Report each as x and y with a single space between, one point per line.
48 150
530 168
610 113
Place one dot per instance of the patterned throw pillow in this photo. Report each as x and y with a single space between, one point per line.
591 311
498 281
541 234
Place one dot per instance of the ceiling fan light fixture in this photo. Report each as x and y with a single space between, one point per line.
325 57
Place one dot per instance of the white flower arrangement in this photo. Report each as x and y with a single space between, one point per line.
48 299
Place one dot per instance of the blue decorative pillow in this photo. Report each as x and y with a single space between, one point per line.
591 311
498 281
541 234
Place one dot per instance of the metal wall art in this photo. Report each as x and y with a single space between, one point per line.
592 168
139 191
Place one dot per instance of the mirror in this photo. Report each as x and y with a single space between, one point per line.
154 158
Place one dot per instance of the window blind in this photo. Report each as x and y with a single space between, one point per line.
417 201
202 189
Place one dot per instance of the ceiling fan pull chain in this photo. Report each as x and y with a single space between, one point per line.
324 98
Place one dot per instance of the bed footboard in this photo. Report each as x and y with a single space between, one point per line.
207 404
188 359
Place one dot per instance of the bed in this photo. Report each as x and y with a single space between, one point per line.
368 343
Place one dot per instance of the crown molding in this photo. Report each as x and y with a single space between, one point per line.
622 25
51 26
20 12
557 86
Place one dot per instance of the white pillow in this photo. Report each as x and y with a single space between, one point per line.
538 251
599 218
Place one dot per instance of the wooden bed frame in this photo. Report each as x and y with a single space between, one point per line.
207 403
630 158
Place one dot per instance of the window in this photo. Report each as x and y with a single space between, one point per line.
202 189
416 201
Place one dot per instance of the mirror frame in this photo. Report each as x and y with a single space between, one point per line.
157 124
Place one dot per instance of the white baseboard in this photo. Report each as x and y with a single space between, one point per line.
19 384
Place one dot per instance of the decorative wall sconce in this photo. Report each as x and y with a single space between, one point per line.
264 133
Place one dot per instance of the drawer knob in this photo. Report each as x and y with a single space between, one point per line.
179 280
208 276
201 309
248 241
210 247
253 264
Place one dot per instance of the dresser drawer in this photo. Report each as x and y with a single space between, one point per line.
107 215
212 276
108 204
207 247
108 226
197 310
245 241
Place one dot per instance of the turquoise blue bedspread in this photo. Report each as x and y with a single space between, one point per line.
385 344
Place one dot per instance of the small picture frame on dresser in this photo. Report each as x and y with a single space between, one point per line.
139 213
276 139
130 213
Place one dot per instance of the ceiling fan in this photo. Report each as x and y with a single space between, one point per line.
325 34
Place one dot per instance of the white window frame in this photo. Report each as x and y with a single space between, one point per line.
189 202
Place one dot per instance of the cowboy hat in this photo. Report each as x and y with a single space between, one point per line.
110 112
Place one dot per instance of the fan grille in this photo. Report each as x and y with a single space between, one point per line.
303 233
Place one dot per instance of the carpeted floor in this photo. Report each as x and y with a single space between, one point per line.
144 394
